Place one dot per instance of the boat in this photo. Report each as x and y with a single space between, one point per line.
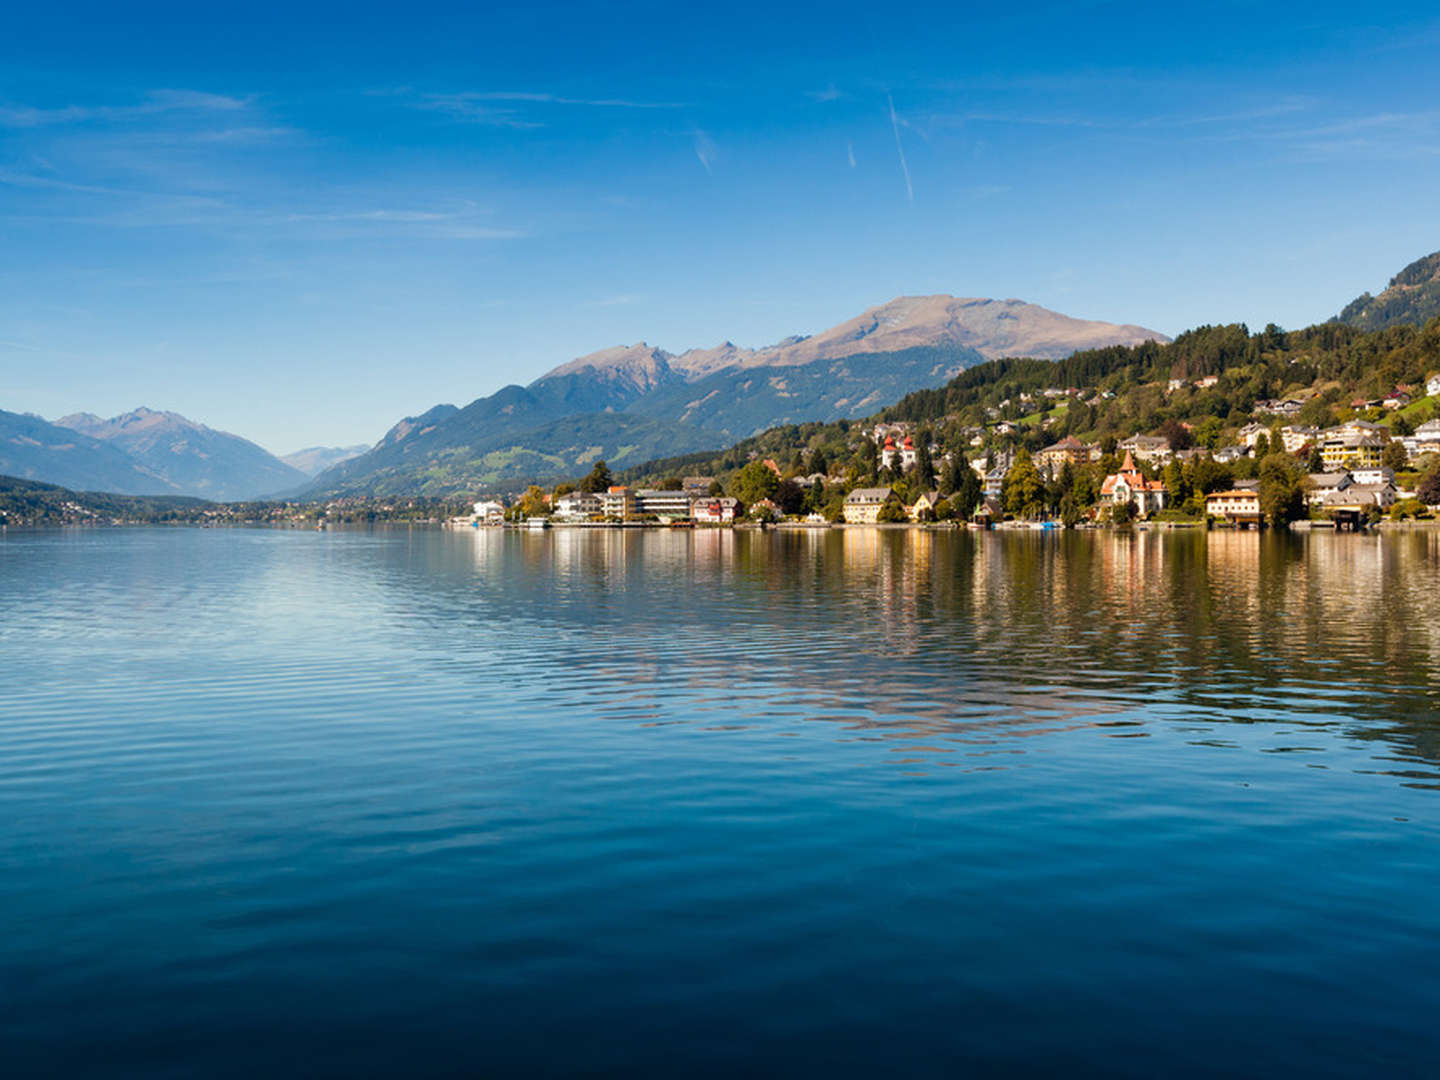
536 523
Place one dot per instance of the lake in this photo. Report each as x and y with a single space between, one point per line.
653 803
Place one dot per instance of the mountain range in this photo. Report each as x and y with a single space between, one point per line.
142 452
629 404
1413 296
314 460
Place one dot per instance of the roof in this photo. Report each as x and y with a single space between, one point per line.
1070 442
1233 493
1328 479
866 495
1134 479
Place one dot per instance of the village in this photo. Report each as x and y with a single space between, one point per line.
1352 475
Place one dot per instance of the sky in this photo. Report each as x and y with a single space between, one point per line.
302 222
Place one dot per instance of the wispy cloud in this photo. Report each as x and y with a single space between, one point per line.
157 101
830 93
850 152
504 108
904 166
705 149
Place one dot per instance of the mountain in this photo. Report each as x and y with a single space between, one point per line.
627 403
32 449
1413 297
195 459
314 460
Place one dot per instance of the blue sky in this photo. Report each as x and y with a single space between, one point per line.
300 223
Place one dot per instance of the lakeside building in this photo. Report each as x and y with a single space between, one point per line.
490 512
862 506
1129 485
618 502
1322 484
923 509
671 504
1240 506
720 510
577 506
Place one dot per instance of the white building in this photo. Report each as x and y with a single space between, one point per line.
490 512
577 506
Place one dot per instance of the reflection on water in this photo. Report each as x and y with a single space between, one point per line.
620 800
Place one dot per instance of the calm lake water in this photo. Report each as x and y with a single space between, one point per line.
649 803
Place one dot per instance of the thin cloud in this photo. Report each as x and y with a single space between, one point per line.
904 166
705 150
557 99
850 152
830 93
157 101
618 300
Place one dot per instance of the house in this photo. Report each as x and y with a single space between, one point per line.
1147 448
923 508
490 512
577 506
1360 498
1005 427
862 506
908 453
720 510
1250 434
1129 485
1426 440
1054 456
1207 381
1240 507
765 508
1379 475
813 479
1345 449
696 485
1432 386
1228 454
618 502
1320 485
1280 407
1396 399
1296 437
1173 385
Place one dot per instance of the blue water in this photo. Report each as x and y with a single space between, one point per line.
658 804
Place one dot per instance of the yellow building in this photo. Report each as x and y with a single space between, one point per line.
1240 506
862 506
1351 450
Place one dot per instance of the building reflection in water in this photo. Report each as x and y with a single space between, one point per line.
977 638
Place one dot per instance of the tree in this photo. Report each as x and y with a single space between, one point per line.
834 510
1122 513
968 495
1315 462
943 510
1393 457
671 483
563 489
1024 490
818 462
598 479
1177 434
790 497
532 503
924 466
1282 492
716 489
892 513
1069 510
1428 490
950 475
754 482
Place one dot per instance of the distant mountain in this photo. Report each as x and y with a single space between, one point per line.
314 460
32 449
196 459
630 403
1413 296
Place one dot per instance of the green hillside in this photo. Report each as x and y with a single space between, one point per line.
1413 296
